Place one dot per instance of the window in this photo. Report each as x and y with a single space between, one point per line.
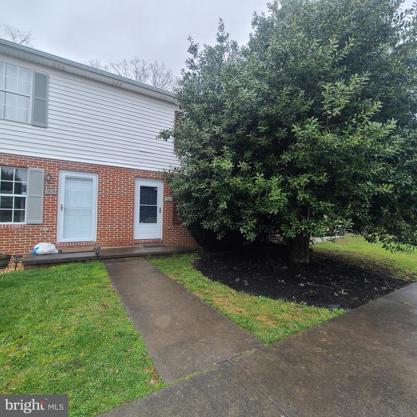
148 211
13 185
15 92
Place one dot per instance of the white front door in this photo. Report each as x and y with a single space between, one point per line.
77 207
148 209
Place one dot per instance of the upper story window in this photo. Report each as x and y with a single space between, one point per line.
15 92
23 95
13 191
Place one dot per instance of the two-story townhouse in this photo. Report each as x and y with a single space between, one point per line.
80 159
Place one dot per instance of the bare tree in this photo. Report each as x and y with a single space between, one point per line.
135 68
156 74
95 63
16 35
161 76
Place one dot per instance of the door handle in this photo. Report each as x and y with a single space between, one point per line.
62 207
160 210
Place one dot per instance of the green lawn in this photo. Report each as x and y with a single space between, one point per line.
357 249
272 320
269 320
63 331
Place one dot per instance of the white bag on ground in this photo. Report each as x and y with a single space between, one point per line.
44 248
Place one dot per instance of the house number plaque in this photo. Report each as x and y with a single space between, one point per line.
51 191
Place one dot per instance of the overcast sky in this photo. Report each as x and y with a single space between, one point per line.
111 30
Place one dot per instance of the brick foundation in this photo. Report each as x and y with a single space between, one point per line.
115 211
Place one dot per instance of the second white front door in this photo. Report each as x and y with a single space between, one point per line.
77 211
148 209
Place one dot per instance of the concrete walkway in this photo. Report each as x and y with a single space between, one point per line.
183 335
363 364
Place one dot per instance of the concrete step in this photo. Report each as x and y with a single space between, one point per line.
105 253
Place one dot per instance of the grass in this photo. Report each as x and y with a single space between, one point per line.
269 320
272 320
356 249
63 331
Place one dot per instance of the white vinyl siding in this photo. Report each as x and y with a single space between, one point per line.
95 123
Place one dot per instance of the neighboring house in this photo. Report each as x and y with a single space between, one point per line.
80 159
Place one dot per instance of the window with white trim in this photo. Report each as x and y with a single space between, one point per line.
13 186
15 92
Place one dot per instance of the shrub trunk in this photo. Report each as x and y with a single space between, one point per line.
299 249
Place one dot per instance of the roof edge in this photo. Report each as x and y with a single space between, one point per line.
72 67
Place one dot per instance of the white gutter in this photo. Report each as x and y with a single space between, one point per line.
71 67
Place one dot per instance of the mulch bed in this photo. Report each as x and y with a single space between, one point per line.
328 281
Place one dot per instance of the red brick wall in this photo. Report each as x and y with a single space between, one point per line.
116 200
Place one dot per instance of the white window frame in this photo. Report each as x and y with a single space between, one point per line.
4 91
13 195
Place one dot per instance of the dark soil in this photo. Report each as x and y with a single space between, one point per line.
328 281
